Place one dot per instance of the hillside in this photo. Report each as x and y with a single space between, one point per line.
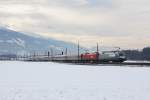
20 43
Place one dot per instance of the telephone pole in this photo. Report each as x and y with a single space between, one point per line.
66 51
78 50
97 53
97 48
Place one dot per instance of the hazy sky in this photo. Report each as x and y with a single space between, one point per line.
124 23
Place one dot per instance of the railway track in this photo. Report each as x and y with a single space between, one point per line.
80 62
133 64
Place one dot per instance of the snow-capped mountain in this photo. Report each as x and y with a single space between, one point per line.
17 42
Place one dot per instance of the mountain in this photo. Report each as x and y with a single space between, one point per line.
12 42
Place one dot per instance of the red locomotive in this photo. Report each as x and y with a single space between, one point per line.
89 56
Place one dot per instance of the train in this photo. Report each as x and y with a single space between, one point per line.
95 57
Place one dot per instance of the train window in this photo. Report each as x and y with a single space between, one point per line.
121 54
110 54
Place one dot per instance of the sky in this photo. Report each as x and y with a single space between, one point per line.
123 23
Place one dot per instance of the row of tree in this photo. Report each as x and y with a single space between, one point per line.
144 54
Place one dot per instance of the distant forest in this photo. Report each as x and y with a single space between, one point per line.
144 54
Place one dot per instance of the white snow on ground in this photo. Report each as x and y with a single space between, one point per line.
52 81
140 61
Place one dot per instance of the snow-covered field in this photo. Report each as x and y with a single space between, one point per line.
52 81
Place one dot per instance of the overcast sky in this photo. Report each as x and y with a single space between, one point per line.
124 23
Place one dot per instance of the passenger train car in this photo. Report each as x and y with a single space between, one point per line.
96 57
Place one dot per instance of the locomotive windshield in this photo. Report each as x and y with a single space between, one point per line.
121 54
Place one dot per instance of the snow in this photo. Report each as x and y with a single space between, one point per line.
140 61
20 42
1 41
54 81
17 41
